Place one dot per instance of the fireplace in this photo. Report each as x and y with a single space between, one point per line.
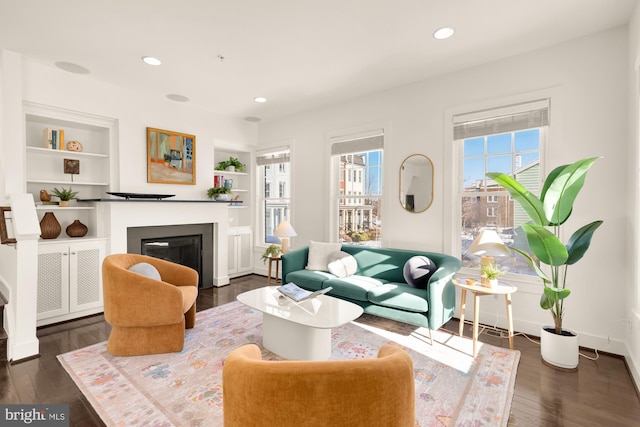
187 245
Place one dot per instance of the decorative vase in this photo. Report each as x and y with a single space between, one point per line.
44 196
76 229
49 226
559 350
64 203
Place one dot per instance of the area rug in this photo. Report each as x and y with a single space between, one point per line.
185 389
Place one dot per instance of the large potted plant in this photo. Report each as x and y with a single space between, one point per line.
548 213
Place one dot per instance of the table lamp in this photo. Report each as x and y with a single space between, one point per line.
488 245
284 231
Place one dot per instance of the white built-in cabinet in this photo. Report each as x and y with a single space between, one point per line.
69 269
69 280
240 254
240 259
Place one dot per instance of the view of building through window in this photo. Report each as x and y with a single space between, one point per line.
275 192
360 197
485 205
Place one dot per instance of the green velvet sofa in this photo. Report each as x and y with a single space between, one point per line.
378 285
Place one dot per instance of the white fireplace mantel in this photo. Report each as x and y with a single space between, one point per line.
118 215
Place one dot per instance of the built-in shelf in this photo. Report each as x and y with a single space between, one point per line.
44 181
229 173
55 208
239 190
65 153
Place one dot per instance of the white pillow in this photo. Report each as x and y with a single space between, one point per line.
319 255
145 269
342 264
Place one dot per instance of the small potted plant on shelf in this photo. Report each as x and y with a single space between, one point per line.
273 251
221 194
64 195
231 165
491 272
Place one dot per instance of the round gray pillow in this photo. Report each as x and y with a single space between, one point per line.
418 270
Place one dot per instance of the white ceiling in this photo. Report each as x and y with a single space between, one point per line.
300 54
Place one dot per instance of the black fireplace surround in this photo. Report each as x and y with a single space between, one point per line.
189 244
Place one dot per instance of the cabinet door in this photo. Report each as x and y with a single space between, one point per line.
232 258
85 275
244 248
53 281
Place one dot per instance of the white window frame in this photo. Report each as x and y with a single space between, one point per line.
452 158
345 134
260 199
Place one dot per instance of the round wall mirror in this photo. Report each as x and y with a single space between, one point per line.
416 183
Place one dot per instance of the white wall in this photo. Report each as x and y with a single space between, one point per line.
589 78
632 289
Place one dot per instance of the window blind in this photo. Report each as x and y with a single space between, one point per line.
358 145
501 120
273 157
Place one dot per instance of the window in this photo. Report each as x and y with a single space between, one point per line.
273 210
507 140
357 164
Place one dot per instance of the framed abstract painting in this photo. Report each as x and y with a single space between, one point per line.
171 157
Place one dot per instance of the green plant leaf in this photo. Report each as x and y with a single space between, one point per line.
580 241
549 180
545 303
529 201
545 245
532 264
563 188
555 294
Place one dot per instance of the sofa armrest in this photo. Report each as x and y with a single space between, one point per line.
441 292
293 261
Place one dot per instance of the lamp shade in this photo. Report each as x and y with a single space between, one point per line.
488 243
285 230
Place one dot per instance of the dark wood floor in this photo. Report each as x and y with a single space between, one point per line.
601 393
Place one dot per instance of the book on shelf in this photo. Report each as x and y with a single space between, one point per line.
297 294
54 139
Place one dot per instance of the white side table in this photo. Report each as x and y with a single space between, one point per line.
478 290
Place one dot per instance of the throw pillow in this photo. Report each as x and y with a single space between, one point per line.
342 264
319 255
418 270
145 269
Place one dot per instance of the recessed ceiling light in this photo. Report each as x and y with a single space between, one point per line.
443 33
72 68
177 98
252 119
151 60
260 99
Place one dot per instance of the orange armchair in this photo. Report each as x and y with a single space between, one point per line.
362 392
147 316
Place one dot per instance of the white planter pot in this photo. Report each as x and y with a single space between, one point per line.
223 197
559 350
